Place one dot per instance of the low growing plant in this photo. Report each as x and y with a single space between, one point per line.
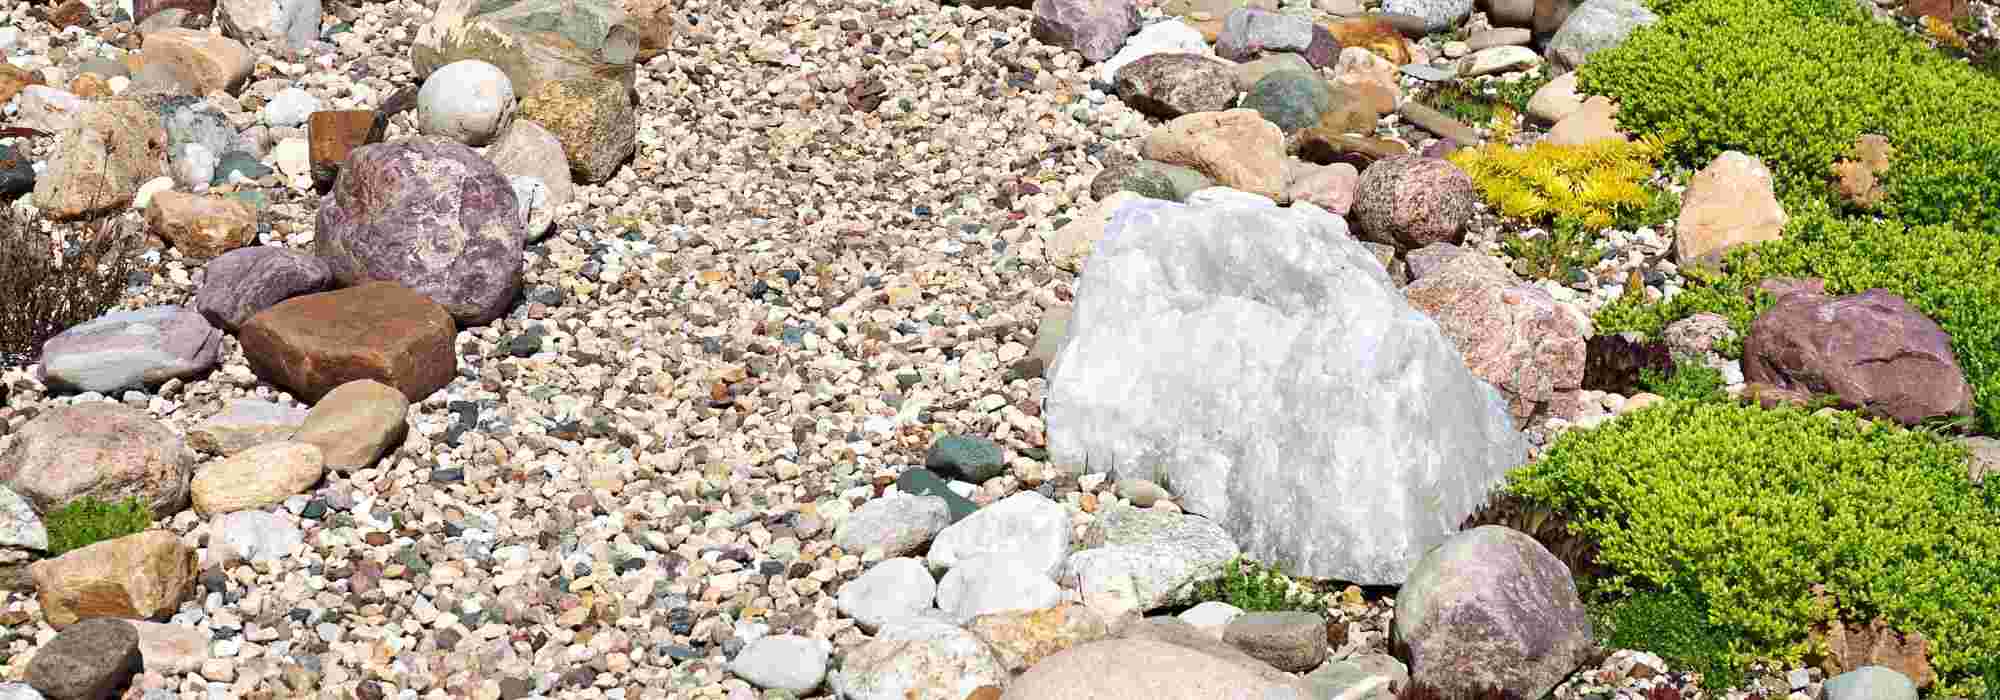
47 292
1689 380
1594 185
1255 587
87 521
1552 255
1673 623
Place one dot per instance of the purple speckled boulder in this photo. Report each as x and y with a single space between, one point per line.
130 349
430 214
247 280
1094 28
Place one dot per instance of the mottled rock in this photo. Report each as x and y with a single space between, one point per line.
1094 28
1491 608
170 648
898 525
1293 100
245 281
294 23
1362 677
918 659
1159 556
1249 32
142 576
655 21
1872 350
1411 202
258 477
1514 335
90 660
992 583
532 41
130 349
1556 100
1730 203
381 331
107 451
1147 178
1870 683
1236 147
431 215
201 226
99 162
593 120
1022 638
1437 15
1169 85
1493 60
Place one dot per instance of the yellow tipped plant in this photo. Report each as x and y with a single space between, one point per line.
1595 185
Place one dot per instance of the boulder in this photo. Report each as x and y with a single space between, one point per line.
244 281
1237 148
466 101
1119 669
144 576
381 331
107 451
1358 389
201 226
14 79
99 161
1094 28
1730 203
1158 556
1250 32
259 477
90 660
1594 26
1169 85
1022 638
532 41
1438 15
1514 335
1872 350
294 23
431 215
918 659
593 120
245 423
355 424
1412 201
1491 608
200 61
131 349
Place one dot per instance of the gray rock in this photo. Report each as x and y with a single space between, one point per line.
1290 641
1163 554
527 149
1498 59
131 349
1249 32
782 662
1428 73
197 122
1426 260
1293 100
923 659
1438 15
891 590
898 525
532 41
1094 28
252 536
296 23
1870 683
242 282
1026 526
991 584
1490 38
965 458
246 423
1511 13
1141 493
431 215
1364 677
1168 85
466 101
1491 608
291 106
1211 616
19 525
19 691
89 660
1148 178
1239 430
1596 25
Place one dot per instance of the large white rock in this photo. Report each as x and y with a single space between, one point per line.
467 101
1259 363
1171 36
1165 554
1026 527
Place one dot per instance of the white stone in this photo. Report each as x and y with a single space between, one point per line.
991 584
18 691
1499 59
195 167
532 196
925 659
252 536
152 187
899 525
290 107
1259 363
1211 617
783 662
1026 526
1438 15
1171 36
293 157
892 590
466 101
295 22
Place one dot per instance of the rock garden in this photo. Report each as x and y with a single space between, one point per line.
1000 349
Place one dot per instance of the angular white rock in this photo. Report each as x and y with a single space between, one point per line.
1260 364
1027 527
1171 36
991 584
894 589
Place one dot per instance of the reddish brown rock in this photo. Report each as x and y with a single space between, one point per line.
1947 11
1514 335
1872 350
381 331
331 136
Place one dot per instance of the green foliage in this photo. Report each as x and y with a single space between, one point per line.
1593 185
1517 93
1749 509
1552 255
1256 587
1462 103
87 521
1673 623
1794 82
1689 381
1948 274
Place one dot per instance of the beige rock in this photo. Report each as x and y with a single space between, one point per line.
1596 120
200 60
1728 204
1070 246
1639 401
1506 36
171 649
1022 638
260 476
1370 75
354 424
1556 100
1498 59
1137 668
100 162
1237 148
13 79
142 576
245 423
656 23
103 450
201 226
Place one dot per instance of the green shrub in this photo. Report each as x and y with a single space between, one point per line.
1256 587
1689 381
1749 509
87 521
1673 623
1794 83
1948 274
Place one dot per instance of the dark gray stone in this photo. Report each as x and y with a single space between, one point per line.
1291 99
90 660
965 458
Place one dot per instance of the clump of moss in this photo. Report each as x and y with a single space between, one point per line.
1255 587
1674 624
1592 185
87 521
1689 380
1750 508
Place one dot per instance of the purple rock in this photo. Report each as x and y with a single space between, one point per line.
1094 28
130 349
430 214
1324 49
247 280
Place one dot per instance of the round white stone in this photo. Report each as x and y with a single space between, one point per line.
467 101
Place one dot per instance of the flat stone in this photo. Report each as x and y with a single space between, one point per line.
1022 638
1140 668
965 458
380 331
356 423
261 476
246 423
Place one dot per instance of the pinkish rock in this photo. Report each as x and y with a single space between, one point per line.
1329 187
103 450
131 349
1514 335
430 214
1094 28
1872 350
1491 608
245 281
1413 201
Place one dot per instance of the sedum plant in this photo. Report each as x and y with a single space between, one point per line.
1592 185
87 521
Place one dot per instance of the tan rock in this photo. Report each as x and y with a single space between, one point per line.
1237 148
14 79
1121 669
1555 100
1639 401
1368 77
143 576
260 476
90 86
1728 204
1022 638
201 226
171 649
102 450
203 61
100 161
656 23
356 423
1329 187
1375 35
1594 121
1070 246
